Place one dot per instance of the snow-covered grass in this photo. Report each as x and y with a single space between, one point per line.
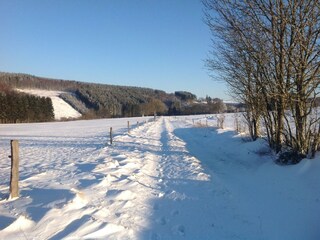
167 179
61 108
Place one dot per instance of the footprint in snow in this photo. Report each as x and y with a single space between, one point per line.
162 221
155 236
175 212
179 230
112 164
121 195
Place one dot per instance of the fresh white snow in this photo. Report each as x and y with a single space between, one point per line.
166 179
61 108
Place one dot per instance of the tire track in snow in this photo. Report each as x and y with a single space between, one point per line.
178 171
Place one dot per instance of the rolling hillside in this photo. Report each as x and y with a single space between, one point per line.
62 110
96 100
93 100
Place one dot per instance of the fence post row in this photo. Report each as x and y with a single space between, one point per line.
128 127
14 178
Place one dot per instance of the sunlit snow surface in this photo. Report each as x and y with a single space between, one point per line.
168 179
60 107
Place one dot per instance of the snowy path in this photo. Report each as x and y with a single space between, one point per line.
180 210
137 188
164 180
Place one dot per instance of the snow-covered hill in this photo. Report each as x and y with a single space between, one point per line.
166 179
61 108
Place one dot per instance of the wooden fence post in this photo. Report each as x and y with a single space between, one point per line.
14 178
110 135
128 127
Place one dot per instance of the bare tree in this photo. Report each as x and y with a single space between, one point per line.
270 52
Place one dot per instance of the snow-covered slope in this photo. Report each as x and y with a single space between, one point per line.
61 108
165 180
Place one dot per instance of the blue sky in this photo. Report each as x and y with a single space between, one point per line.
160 44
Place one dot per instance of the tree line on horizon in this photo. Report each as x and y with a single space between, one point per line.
94 100
23 108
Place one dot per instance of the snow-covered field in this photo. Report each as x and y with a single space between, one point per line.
166 179
60 107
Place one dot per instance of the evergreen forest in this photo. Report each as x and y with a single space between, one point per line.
94 100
